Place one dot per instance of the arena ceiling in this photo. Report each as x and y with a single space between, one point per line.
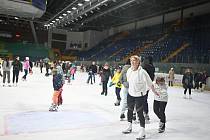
100 14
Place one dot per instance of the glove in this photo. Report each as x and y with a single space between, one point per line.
118 84
111 84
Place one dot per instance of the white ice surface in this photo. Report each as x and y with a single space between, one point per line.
87 115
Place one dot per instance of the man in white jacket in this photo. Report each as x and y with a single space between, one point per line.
139 82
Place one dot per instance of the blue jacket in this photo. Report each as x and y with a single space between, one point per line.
57 81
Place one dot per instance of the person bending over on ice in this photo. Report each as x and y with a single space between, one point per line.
57 85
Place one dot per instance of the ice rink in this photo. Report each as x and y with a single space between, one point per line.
87 115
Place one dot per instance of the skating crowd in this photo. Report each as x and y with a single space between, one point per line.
132 82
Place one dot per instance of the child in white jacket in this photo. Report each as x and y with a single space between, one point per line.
160 102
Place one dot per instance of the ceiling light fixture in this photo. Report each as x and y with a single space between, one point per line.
79 4
64 14
68 12
74 8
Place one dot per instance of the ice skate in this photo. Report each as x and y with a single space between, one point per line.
161 127
134 116
117 103
184 96
141 134
53 108
122 117
190 97
146 116
128 129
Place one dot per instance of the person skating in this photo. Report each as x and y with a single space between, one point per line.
105 74
17 67
187 82
123 80
118 85
57 85
150 69
26 67
160 102
92 71
171 77
6 67
139 82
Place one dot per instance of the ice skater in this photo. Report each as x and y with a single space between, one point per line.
17 67
105 74
139 82
123 80
118 85
6 66
57 85
187 82
160 102
26 67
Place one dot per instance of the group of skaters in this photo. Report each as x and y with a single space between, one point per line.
16 66
196 81
135 79
190 81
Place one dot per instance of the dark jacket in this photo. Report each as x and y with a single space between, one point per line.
17 65
106 73
150 69
187 80
57 81
93 69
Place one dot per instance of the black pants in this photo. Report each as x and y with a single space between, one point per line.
170 83
15 76
159 109
146 110
138 103
47 71
26 73
196 85
41 68
117 91
185 91
104 87
90 77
